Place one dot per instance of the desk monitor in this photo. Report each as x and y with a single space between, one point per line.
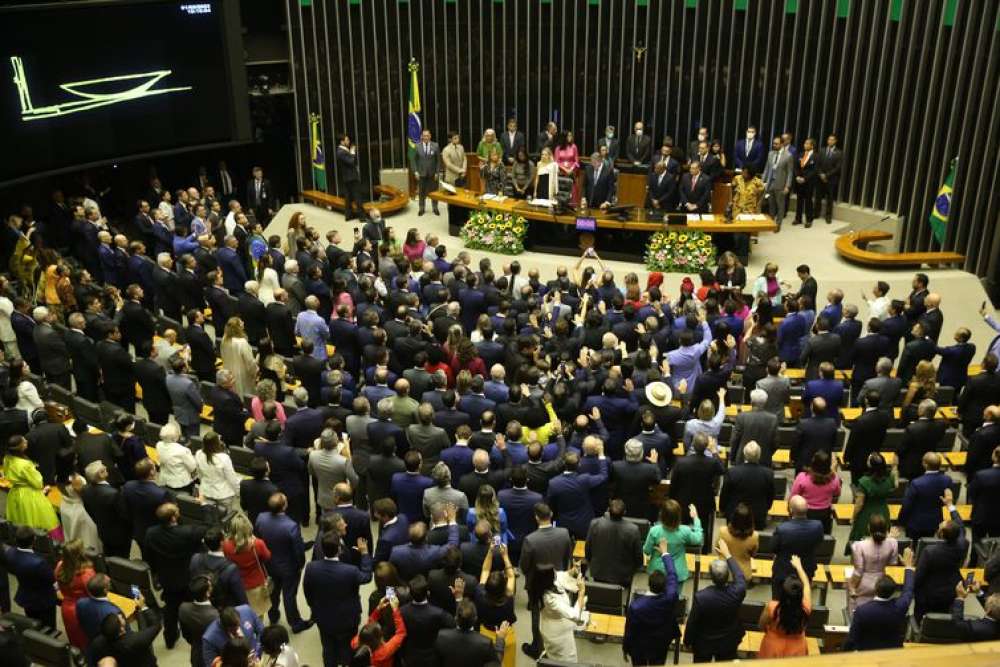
676 219
586 224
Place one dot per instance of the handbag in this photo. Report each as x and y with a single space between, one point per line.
259 597
268 581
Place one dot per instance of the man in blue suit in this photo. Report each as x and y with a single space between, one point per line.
519 504
569 493
35 579
472 302
288 554
475 403
234 274
418 557
143 496
234 622
813 434
828 388
791 331
407 488
394 528
650 622
713 628
953 370
288 470
303 427
383 428
93 609
331 591
357 520
881 623
749 152
799 536
921 510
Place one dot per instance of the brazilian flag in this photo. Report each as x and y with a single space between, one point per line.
413 125
938 218
316 150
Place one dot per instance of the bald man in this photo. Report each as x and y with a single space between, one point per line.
932 319
798 536
813 434
921 510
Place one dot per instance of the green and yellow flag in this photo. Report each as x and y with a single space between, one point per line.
413 125
316 150
941 208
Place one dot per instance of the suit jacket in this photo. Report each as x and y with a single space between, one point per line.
921 510
938 571
215 638
202 352
185 397
287 465
510 147
809 169
52 350
881 624
865 354
599 188
651 622
548 546
106 506
191 293
331 590
614 550
228 585
142 498
700 193
116 367
973 629
984 494
714 626
932 321
799 537
228 415
408 491
138 326
980 390
46 443
91 612
170 549
284 538
234 274
278 318
953 369
693 481
254 315
849 331
778 171
133 648
390 536
830 162
413 559
757 425
265 198
254 495
750 483
463 648
754 157
662 190
867 433
638 149
779 392
153 381
632 483
887 389
83 353
347 166
922 436
430 441
570 499
982 442
817 349
519 504
811 435
614 146
194 620
426 159
423 623
917 350
35 579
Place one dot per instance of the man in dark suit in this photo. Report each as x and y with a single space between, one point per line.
331 589
384 464
416 556
867 433
546 547
350 178
288 470
920 513
519 503
36 581
881 623
279 324
883 385
229 415
106 506
118 371
234 275
189 283
610 141
260 198
257 491
976 629
24 330
830 162
749 482
799 536
806 175
512 140
49 441
128 648
52 351
202 347
196 615
95 607
651 622
614 547
83 353
823 346
633 479
569 493
661 189
142 497
813 434
922 436
253 313
166 289
980 391
983 441
864 356
152 379
394 529
938 567
424 620
234 623
953 369
303 427
600 183
170 547
696 191
749 152
713 628
915 301
932 319
755 425
694 481
638 147
984 494
284 538
921 348
464 646
309 370
827 387
137 323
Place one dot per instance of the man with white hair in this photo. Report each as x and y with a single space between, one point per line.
758 425
495 388
229 413
312 327
112 266
296 289
105 506
52 351
714 629
234 274
253 312
633 478
166 287
749 482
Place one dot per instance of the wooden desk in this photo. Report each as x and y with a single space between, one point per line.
800 374
753 639
890 458
838 574
956 459
638 220
153 455
853 246
580 550
126 604
761 568
604 626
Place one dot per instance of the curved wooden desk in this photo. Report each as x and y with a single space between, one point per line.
853 247
396 202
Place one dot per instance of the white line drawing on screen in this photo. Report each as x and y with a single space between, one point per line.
91 99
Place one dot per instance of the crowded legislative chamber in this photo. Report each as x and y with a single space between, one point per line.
452 333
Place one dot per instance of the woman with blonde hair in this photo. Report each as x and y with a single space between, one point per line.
488 509
546 183
922 385
249 553
72 574
237 356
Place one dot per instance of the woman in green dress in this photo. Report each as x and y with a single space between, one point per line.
678 537
27 504
871 496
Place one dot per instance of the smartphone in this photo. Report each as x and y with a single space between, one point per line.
496 540
390 593
134 592
970 578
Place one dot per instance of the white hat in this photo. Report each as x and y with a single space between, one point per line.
659 394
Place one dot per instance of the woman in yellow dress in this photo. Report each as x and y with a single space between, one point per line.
27 504
748 193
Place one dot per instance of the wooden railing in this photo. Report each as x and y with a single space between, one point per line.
396 202
854 247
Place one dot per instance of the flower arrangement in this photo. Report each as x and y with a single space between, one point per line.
496 232
680 252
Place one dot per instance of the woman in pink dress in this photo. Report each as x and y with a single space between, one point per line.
870 557
819 484
413 246
568 159
72 574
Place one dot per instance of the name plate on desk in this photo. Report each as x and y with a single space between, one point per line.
586 224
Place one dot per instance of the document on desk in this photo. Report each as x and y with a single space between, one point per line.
541 202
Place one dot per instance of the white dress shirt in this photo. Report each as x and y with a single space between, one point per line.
218 479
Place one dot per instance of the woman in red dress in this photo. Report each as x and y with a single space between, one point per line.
466 358
72 574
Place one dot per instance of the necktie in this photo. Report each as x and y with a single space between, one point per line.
694 182
829 152
749 146
258 191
